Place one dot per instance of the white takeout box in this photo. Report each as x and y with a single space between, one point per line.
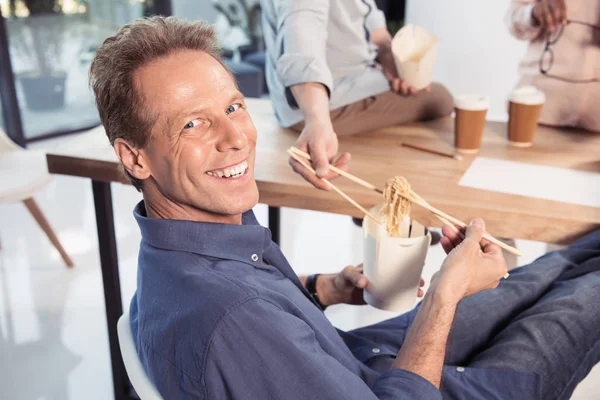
393 265
415 50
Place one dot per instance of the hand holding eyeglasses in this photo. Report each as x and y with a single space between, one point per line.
547 58
550 14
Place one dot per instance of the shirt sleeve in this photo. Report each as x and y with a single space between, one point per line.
375 17
259 351
520 21
303 26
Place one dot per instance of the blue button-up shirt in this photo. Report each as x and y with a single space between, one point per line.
220 314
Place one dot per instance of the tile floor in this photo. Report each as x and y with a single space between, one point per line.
53 343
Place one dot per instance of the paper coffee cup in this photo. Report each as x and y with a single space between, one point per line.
525 106
393 265
469 122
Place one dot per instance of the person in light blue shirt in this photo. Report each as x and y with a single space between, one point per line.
331 72
220 314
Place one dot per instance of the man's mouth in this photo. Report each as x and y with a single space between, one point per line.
235 171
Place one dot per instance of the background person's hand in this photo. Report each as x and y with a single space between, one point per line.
388 65
320 141
383 40
346 287
549 14
472 265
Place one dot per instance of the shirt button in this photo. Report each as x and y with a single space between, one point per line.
254 257
460 369
376 350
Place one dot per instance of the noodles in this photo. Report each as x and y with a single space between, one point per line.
396 206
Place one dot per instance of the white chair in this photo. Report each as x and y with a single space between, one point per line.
135 370
22 174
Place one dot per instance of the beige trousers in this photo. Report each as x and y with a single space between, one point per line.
388 109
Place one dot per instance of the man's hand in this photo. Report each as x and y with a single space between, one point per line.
472 264
468 269
549 14
383 40
346 287
320 141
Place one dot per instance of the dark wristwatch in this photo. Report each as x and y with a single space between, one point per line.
311 287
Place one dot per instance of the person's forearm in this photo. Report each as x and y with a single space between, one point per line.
424 349
313 101
381 38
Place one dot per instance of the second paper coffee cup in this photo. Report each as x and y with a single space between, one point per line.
469 122
525 106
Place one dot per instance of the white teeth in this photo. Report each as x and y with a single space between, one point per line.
234 172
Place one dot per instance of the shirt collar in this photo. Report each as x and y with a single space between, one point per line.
246 243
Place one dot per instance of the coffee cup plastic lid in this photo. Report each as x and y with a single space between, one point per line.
527 95
472 102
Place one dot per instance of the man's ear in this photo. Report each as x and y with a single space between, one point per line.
132 159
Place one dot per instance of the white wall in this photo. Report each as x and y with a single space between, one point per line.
477 53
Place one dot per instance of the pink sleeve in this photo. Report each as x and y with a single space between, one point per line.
519 20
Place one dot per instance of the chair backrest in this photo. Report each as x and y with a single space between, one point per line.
6 144
135 370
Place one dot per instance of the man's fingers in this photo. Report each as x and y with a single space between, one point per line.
492 249
428 89
308 175
354 276
446 245
448 232
454 238
412 90
475 230
422 282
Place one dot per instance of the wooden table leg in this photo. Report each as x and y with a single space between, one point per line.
112 286
274 223
34 209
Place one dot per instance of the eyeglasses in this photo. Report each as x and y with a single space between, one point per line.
547 58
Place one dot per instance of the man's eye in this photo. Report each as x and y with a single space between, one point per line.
232 108
192 124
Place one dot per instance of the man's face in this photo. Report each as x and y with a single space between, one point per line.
202 150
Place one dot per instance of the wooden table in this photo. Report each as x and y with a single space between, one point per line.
376 157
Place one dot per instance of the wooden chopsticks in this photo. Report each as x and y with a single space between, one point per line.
339 191
413 197
433 151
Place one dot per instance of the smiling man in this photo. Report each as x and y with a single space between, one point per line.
220 314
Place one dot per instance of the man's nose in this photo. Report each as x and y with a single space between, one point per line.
231 137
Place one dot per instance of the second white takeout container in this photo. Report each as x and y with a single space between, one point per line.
415 51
